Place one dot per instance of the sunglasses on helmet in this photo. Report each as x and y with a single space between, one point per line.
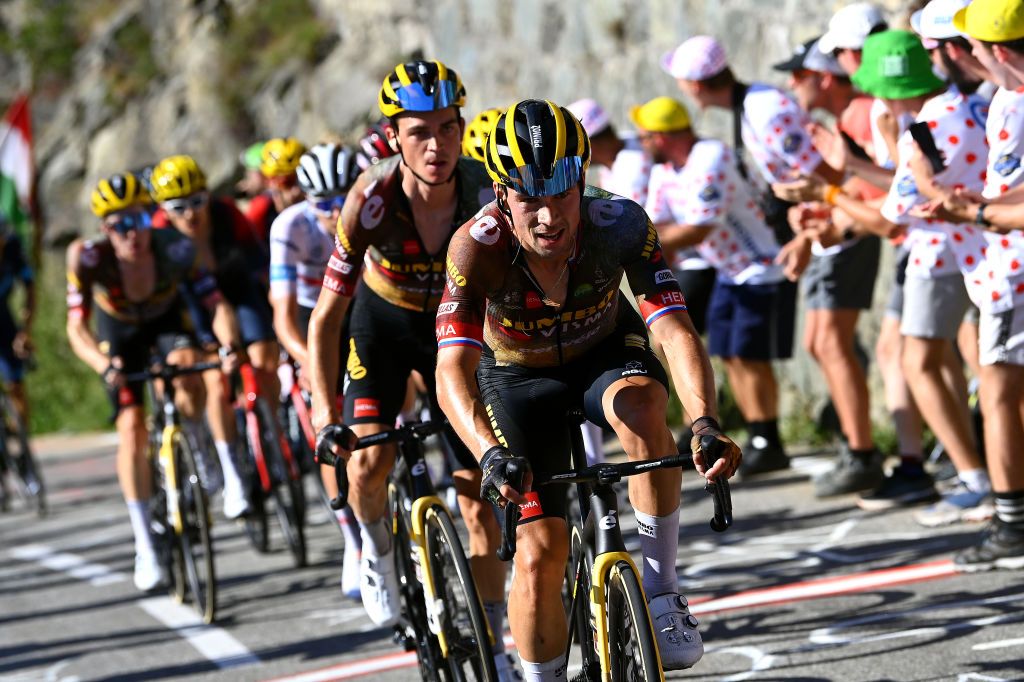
180 206
326 206
412 97
123 223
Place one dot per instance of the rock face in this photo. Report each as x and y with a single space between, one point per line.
152 78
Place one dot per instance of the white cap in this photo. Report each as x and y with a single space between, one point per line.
935 20
697 59
849 27
593 117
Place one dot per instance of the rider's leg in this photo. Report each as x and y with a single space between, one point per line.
135 478
535 613
265 357
220 416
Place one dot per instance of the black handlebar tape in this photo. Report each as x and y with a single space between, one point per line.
711 448
510 514
341 477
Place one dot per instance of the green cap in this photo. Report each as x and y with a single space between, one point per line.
895 65
252 156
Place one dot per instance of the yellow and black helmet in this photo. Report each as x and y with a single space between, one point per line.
537 148
420 86
280 157
176 177
117 193
479 128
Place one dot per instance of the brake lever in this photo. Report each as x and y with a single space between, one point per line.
721 493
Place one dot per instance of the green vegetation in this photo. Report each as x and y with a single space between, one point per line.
131 64
65 394
48 39
263 37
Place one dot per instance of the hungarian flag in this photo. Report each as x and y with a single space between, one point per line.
17 173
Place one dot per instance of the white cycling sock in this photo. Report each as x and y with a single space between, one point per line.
138 514
376 537
495 611
549 671
976 480
226 455
349 529
593 443
659 544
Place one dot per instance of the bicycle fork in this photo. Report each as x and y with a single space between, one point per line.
168 466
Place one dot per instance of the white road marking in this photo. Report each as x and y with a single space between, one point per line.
759 661
70 564
215 644
1001 644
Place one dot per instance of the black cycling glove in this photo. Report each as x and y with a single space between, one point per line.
501 467
331 435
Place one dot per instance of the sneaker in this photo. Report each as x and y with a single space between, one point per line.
679 639
149 573
760 457
904 486
378 587
958 505
507 669
999 547
851 474
350 572
236 502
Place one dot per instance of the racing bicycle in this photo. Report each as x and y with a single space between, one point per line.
17 461
442 617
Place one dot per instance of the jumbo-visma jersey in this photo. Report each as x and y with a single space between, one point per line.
376 223
491 300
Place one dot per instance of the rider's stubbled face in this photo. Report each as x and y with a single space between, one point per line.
430 142
545 226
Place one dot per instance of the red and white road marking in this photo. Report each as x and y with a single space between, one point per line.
812 589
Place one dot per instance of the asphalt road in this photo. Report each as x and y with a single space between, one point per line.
799 589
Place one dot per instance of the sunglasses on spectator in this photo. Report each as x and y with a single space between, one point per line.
180 206
125 223
326 206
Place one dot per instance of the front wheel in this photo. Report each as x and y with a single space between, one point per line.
632 647
287 491
458 610
195 539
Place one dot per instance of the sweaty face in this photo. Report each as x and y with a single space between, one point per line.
545 226
430 142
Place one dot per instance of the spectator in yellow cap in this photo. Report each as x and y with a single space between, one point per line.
704 209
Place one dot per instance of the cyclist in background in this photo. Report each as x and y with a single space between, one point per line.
15 335
301 242
279 158
400 214
142 283
252 183
374 145
532 311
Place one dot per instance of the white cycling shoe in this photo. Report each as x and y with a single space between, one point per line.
149 573
378 587
236 503
350 571
679 639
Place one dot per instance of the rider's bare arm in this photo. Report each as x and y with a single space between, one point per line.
459 397
79 298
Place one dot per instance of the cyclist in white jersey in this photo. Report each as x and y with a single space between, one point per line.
301 243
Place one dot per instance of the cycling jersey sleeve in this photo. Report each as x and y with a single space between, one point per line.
82 257
652 282
473 265
284 257
364 209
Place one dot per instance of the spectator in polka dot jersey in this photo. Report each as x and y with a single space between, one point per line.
897 69
993 265
697 199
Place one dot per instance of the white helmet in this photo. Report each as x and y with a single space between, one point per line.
327 170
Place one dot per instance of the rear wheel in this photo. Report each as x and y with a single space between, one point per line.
632 647
413 630
461 615
195 538
19 454
289 496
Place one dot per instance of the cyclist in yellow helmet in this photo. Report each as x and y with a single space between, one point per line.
536 273
400 214
475 137
279 160
141 284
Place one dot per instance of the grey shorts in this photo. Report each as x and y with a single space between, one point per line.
894 307
934 308
1001 337
844 280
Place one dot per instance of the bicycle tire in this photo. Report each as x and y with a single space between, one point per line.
195 540
288 494
632 647
413 629
255 521
26 470
462 618
581 625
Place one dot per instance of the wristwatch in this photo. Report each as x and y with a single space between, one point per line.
979 217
